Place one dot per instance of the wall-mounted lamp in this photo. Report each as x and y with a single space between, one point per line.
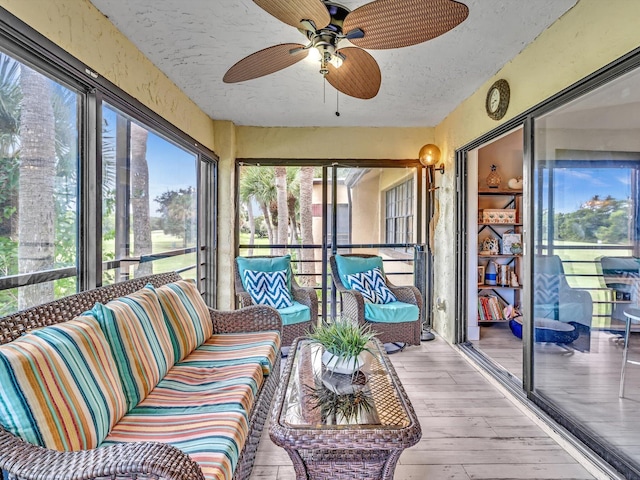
430 156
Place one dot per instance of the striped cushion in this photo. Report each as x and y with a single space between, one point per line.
237 349
213 440
186 314
189 388
138 335
60 386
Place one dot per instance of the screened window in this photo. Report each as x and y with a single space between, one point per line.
39 194
92 192
399 213
149 201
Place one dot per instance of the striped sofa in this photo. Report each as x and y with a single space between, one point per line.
135 380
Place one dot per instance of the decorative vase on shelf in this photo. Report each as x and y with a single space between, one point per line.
490 274
493 179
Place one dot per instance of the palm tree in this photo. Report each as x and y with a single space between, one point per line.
293 193
36 206
140 216
283 208
258 183
305 184
10 98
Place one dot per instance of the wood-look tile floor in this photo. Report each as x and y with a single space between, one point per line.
470 430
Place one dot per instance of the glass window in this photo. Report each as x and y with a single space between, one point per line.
587 261
399 213
39 194
149 201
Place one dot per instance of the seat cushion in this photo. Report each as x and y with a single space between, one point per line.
350 265
394 312
212 439
226 349
268 288
372 285
264 264
137 333
60 386
186 314
195 389
296 313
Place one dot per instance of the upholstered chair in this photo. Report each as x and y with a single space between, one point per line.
269 280
368 297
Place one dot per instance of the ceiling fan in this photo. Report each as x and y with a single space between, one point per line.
381 24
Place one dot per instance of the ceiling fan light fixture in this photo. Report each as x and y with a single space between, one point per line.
336 61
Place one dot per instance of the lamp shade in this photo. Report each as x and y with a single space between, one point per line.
429 155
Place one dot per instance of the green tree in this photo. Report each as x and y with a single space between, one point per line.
258 183
178 211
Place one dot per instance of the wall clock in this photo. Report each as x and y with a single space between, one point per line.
497 100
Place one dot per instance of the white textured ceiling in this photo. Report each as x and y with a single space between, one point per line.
194 42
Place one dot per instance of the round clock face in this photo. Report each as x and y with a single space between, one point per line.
497 100
494 100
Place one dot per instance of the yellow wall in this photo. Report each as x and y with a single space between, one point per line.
80 29
586 38
317 142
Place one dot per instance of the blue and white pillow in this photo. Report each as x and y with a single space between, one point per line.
268 288
372 286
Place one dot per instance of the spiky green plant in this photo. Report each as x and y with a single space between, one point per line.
349 405
343 338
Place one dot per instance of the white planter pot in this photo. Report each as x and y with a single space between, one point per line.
339 365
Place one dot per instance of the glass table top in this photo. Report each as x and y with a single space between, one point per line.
318 398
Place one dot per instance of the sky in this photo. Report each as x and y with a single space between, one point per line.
574 187
170 167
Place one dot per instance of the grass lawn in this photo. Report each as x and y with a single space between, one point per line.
587 272
162 242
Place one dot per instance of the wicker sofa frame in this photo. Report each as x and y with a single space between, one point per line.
305 295
353 307
144 460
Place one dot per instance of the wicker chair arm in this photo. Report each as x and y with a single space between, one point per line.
250 319
353 306
304 295
407 294
24 461
244 299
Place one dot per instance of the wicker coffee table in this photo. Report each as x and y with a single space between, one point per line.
338 426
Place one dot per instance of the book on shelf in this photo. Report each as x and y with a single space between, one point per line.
490 308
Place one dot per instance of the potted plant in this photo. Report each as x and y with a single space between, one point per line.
343 342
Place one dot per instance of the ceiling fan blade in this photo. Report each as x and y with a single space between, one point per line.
358 76
292 12
400 23
265 62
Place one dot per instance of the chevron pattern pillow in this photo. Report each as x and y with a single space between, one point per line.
372 286
547 288
268 288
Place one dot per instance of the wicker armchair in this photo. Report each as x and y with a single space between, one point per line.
353 308
304 295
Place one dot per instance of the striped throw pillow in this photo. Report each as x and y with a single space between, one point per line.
60 386
268 288
186 315
372 285
138 335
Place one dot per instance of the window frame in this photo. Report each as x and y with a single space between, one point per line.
28 46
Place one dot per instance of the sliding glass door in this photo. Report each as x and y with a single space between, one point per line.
586 266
